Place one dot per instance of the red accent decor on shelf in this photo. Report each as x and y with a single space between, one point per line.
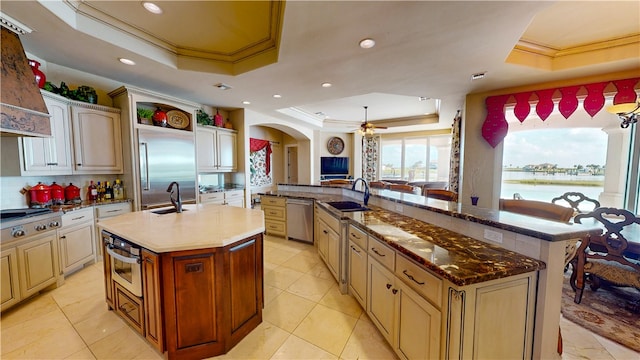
569 102
495 126
41 79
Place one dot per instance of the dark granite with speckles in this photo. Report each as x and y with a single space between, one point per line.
457 258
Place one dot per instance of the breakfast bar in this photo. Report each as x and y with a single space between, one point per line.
189 282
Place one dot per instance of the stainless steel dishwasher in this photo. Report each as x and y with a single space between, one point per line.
300 220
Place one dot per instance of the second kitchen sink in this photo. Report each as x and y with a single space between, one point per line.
347 206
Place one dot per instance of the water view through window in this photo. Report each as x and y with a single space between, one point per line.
543 164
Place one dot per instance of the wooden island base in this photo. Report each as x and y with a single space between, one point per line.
195 303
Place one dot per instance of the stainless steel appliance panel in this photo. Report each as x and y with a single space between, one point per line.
165 158
300 220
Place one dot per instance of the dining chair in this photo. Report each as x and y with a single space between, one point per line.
379 185
441 194
536 208
574 199
403 188
606 256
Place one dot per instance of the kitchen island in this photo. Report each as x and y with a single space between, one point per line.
196 287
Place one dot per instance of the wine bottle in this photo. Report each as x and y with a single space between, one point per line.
118 190
108 191
92 192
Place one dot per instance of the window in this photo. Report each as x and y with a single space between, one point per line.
415 158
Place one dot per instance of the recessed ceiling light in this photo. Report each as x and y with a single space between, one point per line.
478 76
326 85
222 86
246 102
367 43
277 96
152 8
127 61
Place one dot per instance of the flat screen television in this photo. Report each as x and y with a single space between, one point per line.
334 165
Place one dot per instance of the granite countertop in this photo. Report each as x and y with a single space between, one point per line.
457 258
197 227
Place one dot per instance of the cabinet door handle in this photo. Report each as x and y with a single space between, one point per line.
111 211
376 251
78 218
412 278
52 164
325 231
63 237
356 250
78 164
388 286
394 291
354 235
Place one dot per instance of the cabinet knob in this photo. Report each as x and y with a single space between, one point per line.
394 291
388 286
78 164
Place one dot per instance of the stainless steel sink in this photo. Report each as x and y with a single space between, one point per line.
165 211
347 206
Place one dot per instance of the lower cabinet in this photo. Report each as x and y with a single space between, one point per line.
38 261
10 285
423 316
195 303
76 238
275 215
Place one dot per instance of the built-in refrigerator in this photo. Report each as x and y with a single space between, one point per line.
166 157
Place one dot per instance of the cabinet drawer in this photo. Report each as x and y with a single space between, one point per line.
330 220
233 194
358 236
217 197
273 201
77 217
130 307
275 213
382 253
419 279
105 211
275 228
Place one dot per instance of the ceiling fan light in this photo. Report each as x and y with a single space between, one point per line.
627 112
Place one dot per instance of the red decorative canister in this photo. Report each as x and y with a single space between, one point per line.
40 195
57 194
159 118
72 194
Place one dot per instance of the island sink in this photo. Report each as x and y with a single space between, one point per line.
166 211
347 206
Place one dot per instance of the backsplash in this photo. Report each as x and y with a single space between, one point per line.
10 186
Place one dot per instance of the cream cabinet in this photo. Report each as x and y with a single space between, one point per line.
329 239
357 276
381 298
216 149
97 140
76 240
229 197
10 286
37 264
275 214
49 156
417 328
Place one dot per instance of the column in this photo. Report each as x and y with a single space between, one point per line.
615 177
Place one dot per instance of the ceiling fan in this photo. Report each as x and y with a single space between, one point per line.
367 128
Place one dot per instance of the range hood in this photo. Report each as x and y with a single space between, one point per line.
22 108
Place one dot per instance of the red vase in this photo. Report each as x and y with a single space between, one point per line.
159 118
41 79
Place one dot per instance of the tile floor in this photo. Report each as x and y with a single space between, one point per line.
305 317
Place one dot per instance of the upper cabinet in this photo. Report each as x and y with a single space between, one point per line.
216 149
50 156
97 141
85 139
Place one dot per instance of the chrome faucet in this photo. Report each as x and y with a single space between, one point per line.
177 202
366 189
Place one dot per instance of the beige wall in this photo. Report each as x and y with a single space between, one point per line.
349 151
478 154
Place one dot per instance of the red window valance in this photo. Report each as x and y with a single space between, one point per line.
495 126
257 145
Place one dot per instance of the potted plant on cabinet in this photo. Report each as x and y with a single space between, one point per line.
144 116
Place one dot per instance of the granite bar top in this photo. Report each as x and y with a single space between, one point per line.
457 258
197 227
521 224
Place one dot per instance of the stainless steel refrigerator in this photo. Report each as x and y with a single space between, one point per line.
166 157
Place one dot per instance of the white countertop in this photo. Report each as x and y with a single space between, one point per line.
197 227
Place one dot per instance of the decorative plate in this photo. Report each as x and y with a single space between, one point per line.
335 145
177 119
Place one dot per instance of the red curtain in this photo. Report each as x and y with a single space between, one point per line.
495 126
257 145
